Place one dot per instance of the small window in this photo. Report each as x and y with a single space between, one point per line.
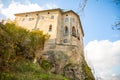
26 15
78 35
37 14
42 17
73 31
66 19
65 40
73 19
30 19
50 28
48 12
66 31
78 38
38 18
52 17
66 14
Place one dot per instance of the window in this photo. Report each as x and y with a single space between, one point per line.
50 28
52 17
65 40
66 14
37 14
26 15
42 17
66 31
30 19
38 18
73 19
48 12
73 31
78 35
66 19
78 38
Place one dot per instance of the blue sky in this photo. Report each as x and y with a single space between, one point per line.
102 44
99 18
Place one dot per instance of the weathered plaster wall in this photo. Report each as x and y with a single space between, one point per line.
58 38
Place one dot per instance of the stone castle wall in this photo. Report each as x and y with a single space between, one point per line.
62 36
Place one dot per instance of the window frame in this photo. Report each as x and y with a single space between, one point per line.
52 17
66 31
50 28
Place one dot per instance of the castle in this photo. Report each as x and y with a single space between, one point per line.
63 26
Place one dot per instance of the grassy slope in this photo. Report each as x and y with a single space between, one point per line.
26 70
14 65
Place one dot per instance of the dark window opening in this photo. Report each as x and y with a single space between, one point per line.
66 31
48 13
78 38
26 15
73 31
65 40
78 35
50 28
66 14
37 14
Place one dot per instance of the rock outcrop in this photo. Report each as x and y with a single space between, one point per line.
58 62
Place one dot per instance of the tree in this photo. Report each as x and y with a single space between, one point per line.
116 26
17 42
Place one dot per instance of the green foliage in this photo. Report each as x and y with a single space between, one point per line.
46 65
25 70
17 42
18 47
87 70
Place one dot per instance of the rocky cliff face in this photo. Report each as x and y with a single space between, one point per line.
58 62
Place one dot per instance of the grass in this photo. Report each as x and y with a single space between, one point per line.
26 70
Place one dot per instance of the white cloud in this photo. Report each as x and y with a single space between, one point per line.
50 6
17 7
104 56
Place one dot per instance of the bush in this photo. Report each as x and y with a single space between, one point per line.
17 48
17 41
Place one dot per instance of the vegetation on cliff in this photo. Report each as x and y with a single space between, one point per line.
19 48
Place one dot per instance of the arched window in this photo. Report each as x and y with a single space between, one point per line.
50 28
78 35
66 31
73 31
